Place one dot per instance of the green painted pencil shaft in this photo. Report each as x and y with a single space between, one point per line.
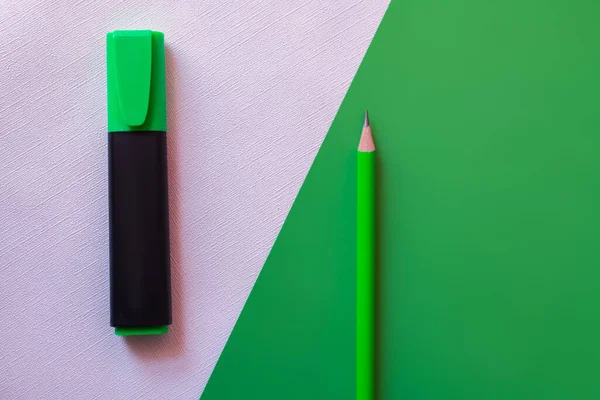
365 293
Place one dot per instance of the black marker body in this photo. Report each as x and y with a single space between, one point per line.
140 287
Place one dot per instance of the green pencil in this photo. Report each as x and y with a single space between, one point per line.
365 282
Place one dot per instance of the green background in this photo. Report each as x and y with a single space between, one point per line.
487 122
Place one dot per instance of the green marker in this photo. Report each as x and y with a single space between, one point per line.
140 287
365 279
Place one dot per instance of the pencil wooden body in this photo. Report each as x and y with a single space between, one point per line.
365 290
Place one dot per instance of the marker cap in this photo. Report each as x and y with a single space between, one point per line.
136 81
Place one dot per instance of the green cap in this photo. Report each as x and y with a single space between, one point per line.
136 81
142 331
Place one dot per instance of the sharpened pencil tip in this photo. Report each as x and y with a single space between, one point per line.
366 143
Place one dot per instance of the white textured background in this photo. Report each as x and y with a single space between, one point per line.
252 88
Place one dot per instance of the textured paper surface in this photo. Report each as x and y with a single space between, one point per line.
253 87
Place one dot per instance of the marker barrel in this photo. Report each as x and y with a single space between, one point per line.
139 230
